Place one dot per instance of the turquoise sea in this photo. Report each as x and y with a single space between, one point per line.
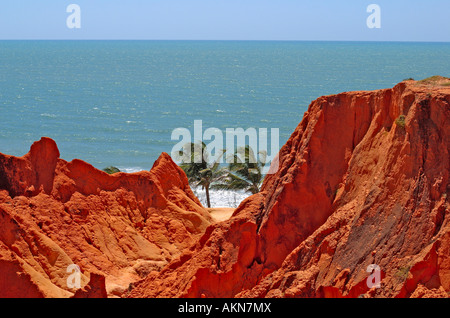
117 102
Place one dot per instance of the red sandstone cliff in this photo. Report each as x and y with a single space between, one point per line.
364 179
358 184
118 227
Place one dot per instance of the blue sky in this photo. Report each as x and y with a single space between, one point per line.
345 20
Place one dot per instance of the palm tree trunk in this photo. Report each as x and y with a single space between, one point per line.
208 202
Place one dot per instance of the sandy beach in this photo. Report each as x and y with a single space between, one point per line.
221 214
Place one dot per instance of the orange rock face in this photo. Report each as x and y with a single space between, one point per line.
363 180
94 289
362 184
119 227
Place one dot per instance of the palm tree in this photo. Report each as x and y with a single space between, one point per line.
245 172
202 172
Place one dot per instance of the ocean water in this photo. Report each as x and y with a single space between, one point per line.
116 103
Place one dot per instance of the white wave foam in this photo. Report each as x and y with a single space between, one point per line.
49 115
218 198
130 169
221 198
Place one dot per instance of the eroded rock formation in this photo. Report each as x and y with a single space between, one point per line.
363 180
120 227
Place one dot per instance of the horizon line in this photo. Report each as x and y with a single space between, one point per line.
231 40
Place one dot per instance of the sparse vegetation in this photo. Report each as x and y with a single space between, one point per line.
402 272
408 79
401 121
111 170
435 80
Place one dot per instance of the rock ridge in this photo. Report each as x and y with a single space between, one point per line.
362 180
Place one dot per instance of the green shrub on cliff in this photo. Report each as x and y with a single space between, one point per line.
435 80
401 121
403 272
111 170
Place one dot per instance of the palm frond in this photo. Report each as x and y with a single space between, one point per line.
243 173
